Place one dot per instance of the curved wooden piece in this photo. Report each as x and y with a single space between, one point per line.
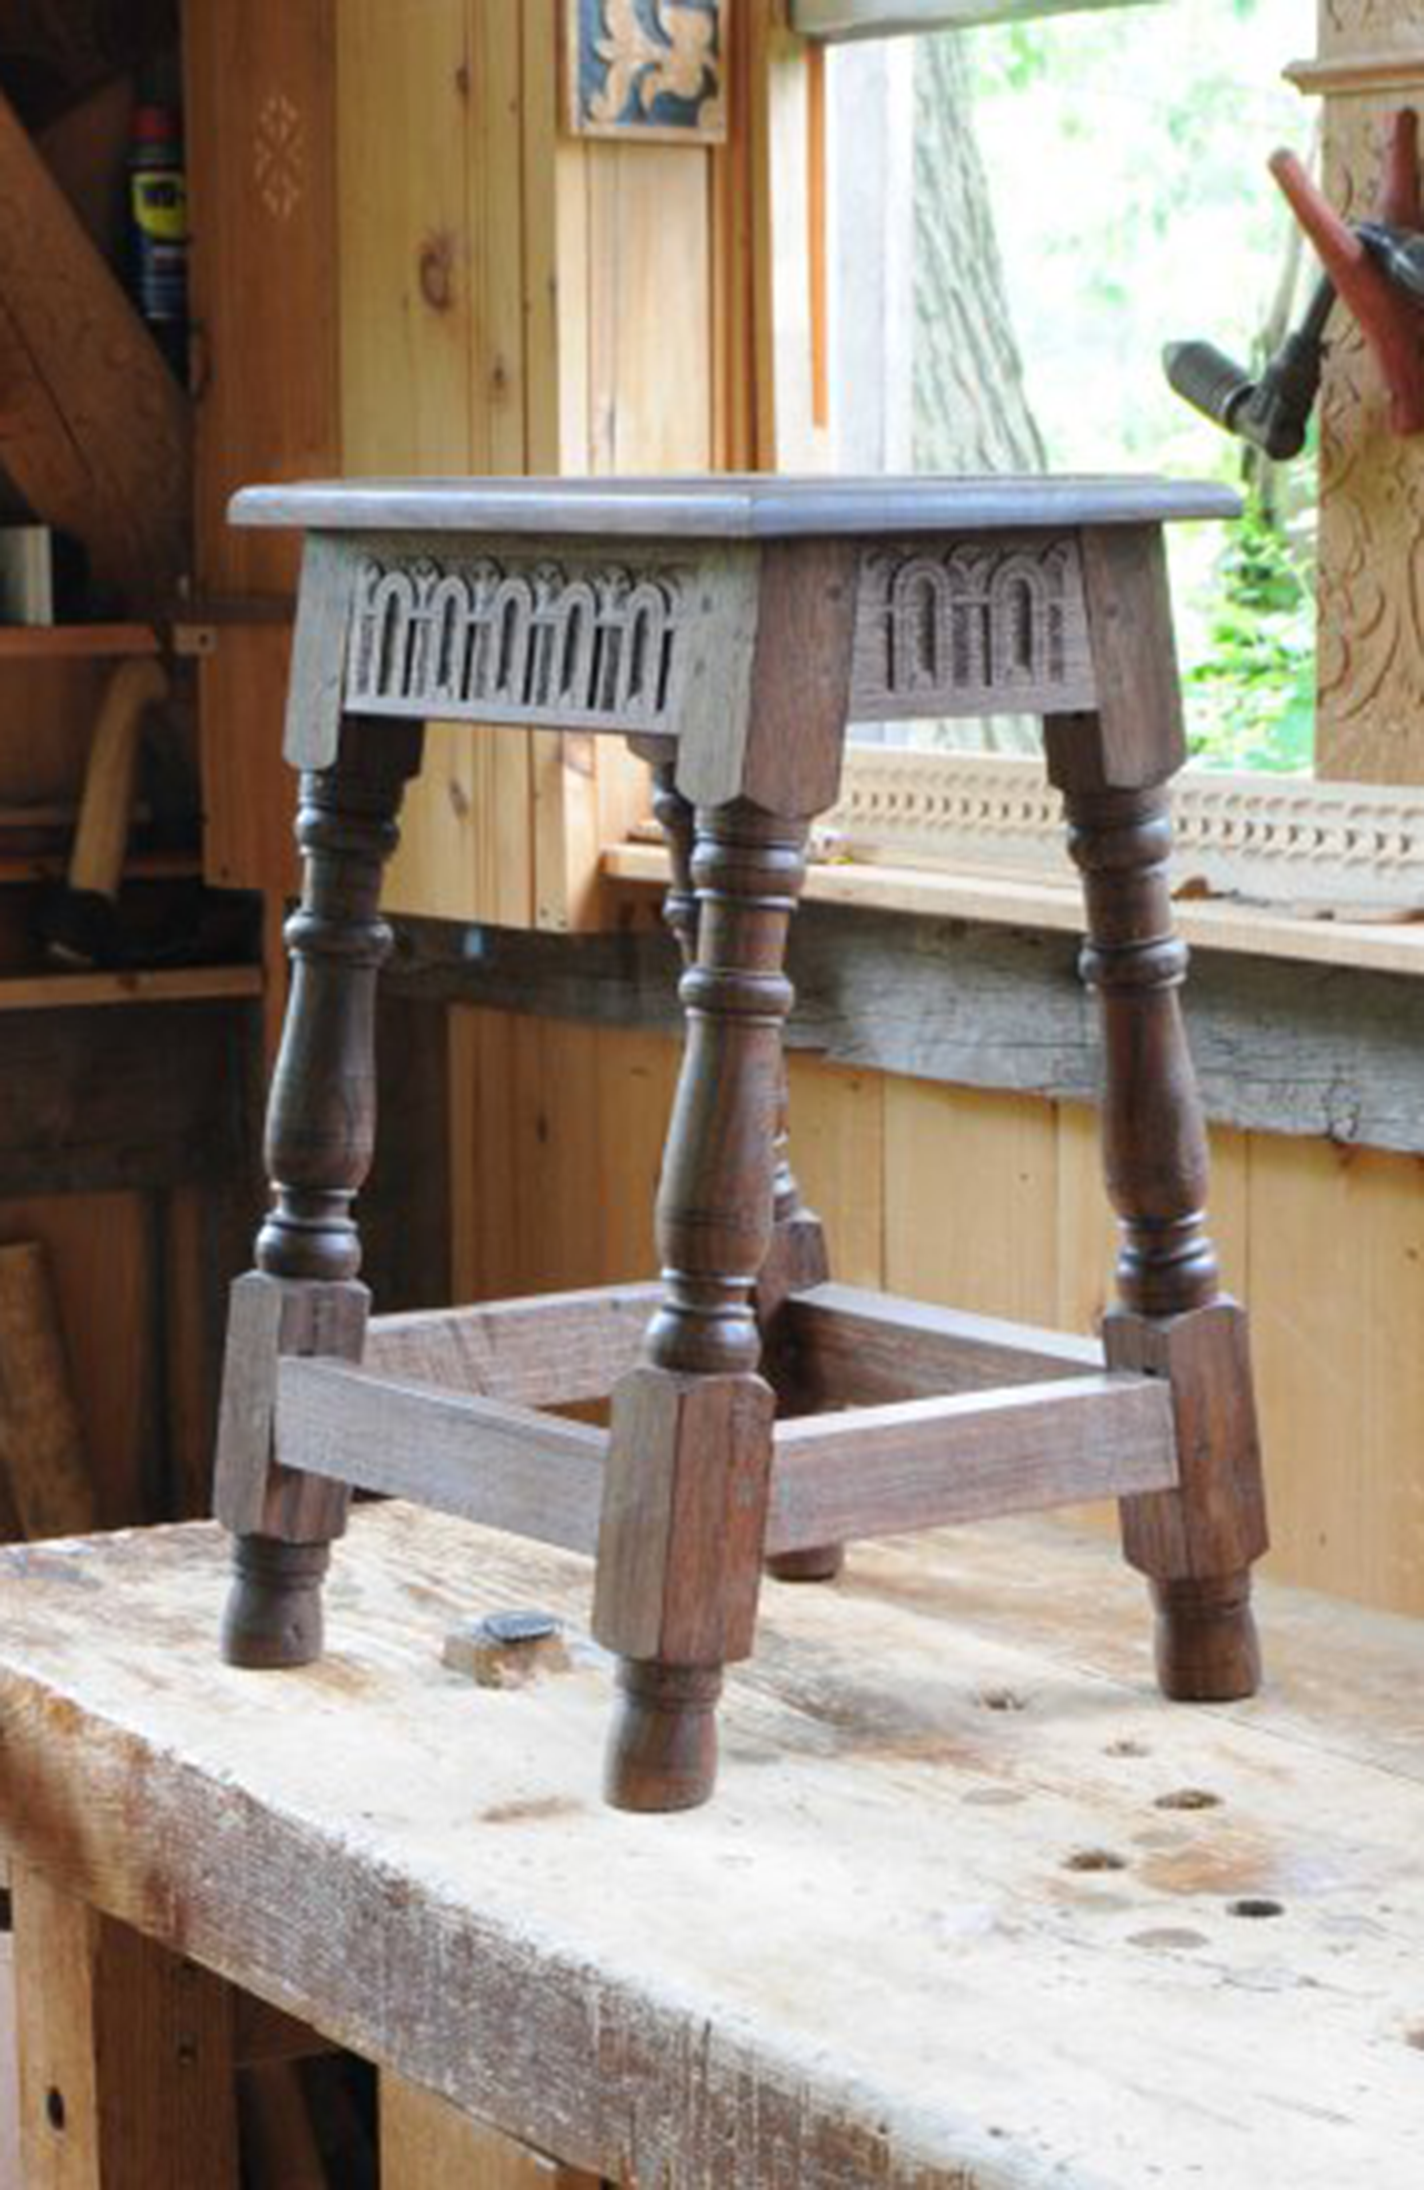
1196 1542
321 1117
1154 1136
1391 322
320 1138
273 1614
797 1254
684 1513
796 1259
678 823
662 1748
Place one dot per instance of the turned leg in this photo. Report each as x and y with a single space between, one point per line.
797 1254
304 1296
684 1513
1195 1543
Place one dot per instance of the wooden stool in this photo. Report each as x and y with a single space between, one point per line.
730 629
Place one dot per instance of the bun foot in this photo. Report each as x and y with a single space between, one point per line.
662 1751
822 1563
273 1615
1207 1648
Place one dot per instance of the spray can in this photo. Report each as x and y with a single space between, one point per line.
158 202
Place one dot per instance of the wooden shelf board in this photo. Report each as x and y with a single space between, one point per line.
1383 946
163 985
59 642
143 867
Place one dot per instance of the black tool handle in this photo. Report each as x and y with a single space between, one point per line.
1209 380
1272 413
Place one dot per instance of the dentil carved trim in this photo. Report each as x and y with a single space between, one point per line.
1247 835
972 628
1360 69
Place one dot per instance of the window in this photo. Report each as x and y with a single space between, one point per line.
1021 216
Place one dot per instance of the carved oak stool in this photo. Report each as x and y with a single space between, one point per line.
760 1414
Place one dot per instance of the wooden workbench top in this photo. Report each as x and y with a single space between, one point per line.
963 1912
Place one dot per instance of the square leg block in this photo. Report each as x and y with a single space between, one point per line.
267 1318
684 1517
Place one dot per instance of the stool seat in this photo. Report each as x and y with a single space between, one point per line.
761 1416
729 505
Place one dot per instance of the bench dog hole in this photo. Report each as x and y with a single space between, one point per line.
1094 1859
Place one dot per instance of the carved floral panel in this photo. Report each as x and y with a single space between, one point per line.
1370 724
1355 22
647 68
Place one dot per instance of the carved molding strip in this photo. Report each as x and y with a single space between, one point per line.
500 638
1247 835
1360 71
970 628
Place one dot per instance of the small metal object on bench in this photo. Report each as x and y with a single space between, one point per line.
761 1414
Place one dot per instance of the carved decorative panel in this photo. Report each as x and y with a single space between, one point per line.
1371 675
1256 836
969 628
279 156
1352 21
503 639
647 68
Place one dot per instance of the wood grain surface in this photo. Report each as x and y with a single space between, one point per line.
728 507
947 1780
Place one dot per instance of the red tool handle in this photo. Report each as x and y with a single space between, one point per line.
1391 322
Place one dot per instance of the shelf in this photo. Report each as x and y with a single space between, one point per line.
70 642
1383 946
164 985
31 867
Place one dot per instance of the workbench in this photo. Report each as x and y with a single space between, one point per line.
977 1906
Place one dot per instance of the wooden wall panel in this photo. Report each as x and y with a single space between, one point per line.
429 2144
431 274
47 712
548 1193
1336 1286
838 1155
971 1185
993 1202
249 795
102 1254
259 100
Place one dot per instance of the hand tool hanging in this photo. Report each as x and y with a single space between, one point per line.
1374 267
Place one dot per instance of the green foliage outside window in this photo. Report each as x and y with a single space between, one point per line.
1250 695
1127 155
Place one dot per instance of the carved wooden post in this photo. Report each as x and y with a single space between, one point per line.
684 1511
1195 1543
304 1296
797 1255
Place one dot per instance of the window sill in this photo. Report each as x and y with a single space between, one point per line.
1381 946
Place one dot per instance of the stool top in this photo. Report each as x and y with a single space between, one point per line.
729 506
